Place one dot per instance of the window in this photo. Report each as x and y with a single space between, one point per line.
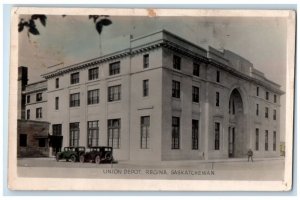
274 140
145 88
75 100
114 93
266 140
75 78
145 125
93 96
267 95
28 99
93 133
257 91
217 136
233 107
39 97
176 62
175 132
114 126
257 109
38 113
74 134
42 142
195 94
218 76
274 114
195 134
56 103
23 140
256 139
176 89
56 129
57 83
93 73
196 69
146 61
217 99
275 98
266 112
28 114
114 68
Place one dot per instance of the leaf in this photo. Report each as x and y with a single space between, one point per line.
43 19
31 23
20 26
33 31
33 17
99 27
106 22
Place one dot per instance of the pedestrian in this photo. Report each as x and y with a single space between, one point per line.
250 155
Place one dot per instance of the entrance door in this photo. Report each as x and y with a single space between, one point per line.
231 135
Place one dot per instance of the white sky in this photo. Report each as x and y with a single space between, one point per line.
74 38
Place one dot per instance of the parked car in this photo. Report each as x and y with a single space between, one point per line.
70 153
98 155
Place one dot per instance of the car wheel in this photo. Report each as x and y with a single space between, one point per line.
97 159
81 158
73 158
57 157
108 157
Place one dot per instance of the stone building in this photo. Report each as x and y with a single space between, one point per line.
161 97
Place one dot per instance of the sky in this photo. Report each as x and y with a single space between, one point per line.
73 39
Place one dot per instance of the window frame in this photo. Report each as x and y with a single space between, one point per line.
146 88
218 76
74 130
28 98
56 103
195 134
114 68
113 140
175 89
57 129
145 132
74 78
92 130
217 99
195 94
175 133
93 97
28 114
38 113
23 141
176 62
57 83
93 73
257 139
74 102
39 97
146 61
196 69
266 112
266 140
114 93
217 136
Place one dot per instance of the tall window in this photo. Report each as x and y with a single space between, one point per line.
257 109
233 107
23 140
56 103
176 89
93 96
57 83
56 129
93 73
275 98
256 139
257 91
218 76
266 112
114 68
145 125
196 69
114 126
217 136
175 132
39 97
274 114
145 88
74 78
176 62
28 114
75 100
28 99
267 95
74 134
93 133
146 61
114 93
274 140
195 94
195 134
266 140
38 113
217 99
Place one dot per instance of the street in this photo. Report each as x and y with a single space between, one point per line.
234 169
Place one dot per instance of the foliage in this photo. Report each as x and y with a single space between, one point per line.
100 21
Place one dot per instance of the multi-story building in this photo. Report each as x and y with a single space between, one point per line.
161 97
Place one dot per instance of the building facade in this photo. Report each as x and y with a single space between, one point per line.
161 97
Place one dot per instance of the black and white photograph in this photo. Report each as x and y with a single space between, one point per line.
150 99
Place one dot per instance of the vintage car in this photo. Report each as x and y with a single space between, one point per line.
98 155
70 153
